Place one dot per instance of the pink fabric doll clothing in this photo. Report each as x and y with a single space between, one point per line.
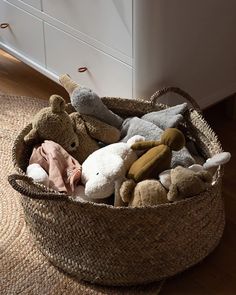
63 170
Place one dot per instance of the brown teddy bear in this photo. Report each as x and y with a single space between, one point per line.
186 183
148 192
78 134
53 123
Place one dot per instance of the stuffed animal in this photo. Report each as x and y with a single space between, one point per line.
53 123
151 125
210 165
106 168
38 174
87 102
90 132
140 191
158 157
186 183
152 132
77 134
148 192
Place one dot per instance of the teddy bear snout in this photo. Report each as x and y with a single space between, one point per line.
73 145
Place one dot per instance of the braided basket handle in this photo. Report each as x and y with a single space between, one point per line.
176 90
30 189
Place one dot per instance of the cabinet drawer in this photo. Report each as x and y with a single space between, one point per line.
109 22
24 33
106 75
34 3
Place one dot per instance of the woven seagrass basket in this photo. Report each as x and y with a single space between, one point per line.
124 246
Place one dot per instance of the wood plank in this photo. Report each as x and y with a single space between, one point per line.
18 78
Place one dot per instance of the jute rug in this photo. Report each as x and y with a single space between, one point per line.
23 269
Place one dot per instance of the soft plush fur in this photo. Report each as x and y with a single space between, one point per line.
186 183
145 193
158 157
106 167
150 131
53 123
38 174
77 134
210 165
167 118
150 126
87 102
90 131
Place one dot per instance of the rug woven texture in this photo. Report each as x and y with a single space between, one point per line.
23 269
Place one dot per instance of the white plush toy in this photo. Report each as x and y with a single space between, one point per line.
106 168
210 165
38 174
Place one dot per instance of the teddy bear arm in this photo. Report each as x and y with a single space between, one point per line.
101 131
126 190
173 193
143 145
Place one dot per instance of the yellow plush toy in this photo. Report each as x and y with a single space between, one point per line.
140 189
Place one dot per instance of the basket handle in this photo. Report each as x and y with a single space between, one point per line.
32 190
176 90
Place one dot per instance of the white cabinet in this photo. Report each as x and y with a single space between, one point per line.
104 73
186 43
24 32
108 21
34 3
130 47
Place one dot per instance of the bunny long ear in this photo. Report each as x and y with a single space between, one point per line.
216 160
57 103
31 136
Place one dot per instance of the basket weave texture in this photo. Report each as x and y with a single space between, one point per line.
124 246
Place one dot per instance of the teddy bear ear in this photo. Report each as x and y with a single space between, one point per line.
31 136
57 103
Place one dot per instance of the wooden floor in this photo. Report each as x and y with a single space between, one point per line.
18 78
217 273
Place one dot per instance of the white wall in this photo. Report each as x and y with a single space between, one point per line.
191 44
